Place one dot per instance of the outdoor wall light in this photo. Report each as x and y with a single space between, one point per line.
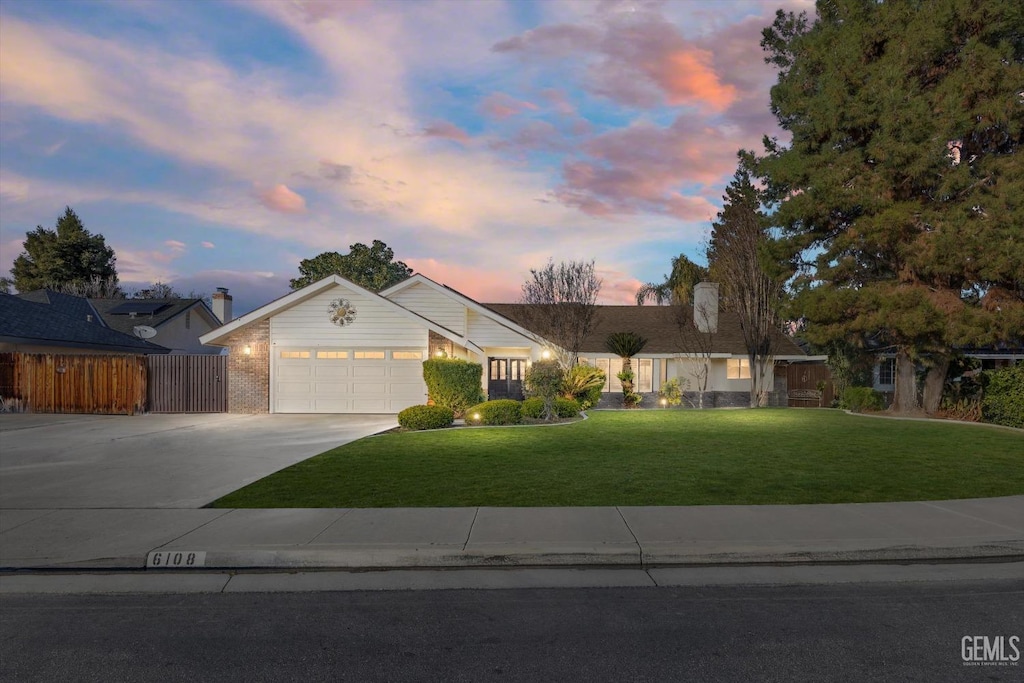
439 353
545 354
247 350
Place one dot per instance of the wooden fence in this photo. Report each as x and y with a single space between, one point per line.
809 385
188 384
70 383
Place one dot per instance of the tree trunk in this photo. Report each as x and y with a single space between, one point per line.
934 382
905 400
627 366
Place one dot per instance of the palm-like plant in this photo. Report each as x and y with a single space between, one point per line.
626 345
677 287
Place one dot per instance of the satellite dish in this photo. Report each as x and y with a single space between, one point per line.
144 331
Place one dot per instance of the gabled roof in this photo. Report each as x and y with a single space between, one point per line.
218 336
152 312
44 324
483 309
659 325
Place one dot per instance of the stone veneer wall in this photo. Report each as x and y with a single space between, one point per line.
249 375
691 399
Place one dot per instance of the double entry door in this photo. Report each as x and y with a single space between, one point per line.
505 378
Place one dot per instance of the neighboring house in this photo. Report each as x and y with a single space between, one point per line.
179 323
989 358
48 322
334 347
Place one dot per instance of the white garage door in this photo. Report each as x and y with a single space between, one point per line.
348 380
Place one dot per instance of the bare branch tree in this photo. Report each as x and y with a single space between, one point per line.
560 304
694 346
738 258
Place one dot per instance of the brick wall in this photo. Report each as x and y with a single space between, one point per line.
249 374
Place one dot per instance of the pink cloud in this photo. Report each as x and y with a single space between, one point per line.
637 58
447 131
175 245
208 245
501 106
281 198
642 169
477 283
618 288
558 101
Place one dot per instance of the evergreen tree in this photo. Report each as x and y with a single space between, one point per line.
903 186
68 257
374 268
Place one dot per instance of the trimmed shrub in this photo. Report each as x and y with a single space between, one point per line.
426 417
1004 397
859 399
453 383
533 408
544 380
503 411
584 384
566 407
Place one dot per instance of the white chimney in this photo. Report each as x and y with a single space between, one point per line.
222 305
705 306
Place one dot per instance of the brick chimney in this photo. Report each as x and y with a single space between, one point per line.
705 306
222 305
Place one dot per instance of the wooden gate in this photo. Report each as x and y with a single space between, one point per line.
809 385
188 384
72 383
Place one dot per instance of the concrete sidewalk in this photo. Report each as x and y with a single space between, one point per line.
502 537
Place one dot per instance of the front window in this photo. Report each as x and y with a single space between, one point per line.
887 371
738 368
643 369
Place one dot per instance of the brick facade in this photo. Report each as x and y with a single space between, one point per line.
249 374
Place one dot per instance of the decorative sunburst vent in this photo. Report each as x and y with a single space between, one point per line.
341 312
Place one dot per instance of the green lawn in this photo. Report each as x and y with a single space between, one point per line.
657 458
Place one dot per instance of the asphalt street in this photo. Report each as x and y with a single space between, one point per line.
850 632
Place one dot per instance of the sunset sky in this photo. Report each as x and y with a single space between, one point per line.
219 143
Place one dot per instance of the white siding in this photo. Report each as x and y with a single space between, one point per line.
376 325
485 332
434 306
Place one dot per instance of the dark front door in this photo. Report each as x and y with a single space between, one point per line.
505 378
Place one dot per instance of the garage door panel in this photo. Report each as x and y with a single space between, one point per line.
294 389
327 405
288 372
365 405
331 372
374 371
413 370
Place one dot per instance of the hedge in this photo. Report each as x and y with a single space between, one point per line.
503 411
453 383
1004 397
564 407
859 399
426 417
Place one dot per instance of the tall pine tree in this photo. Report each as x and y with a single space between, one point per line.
903 186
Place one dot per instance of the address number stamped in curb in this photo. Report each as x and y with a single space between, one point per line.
176 559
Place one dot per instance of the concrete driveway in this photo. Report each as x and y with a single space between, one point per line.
157 461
